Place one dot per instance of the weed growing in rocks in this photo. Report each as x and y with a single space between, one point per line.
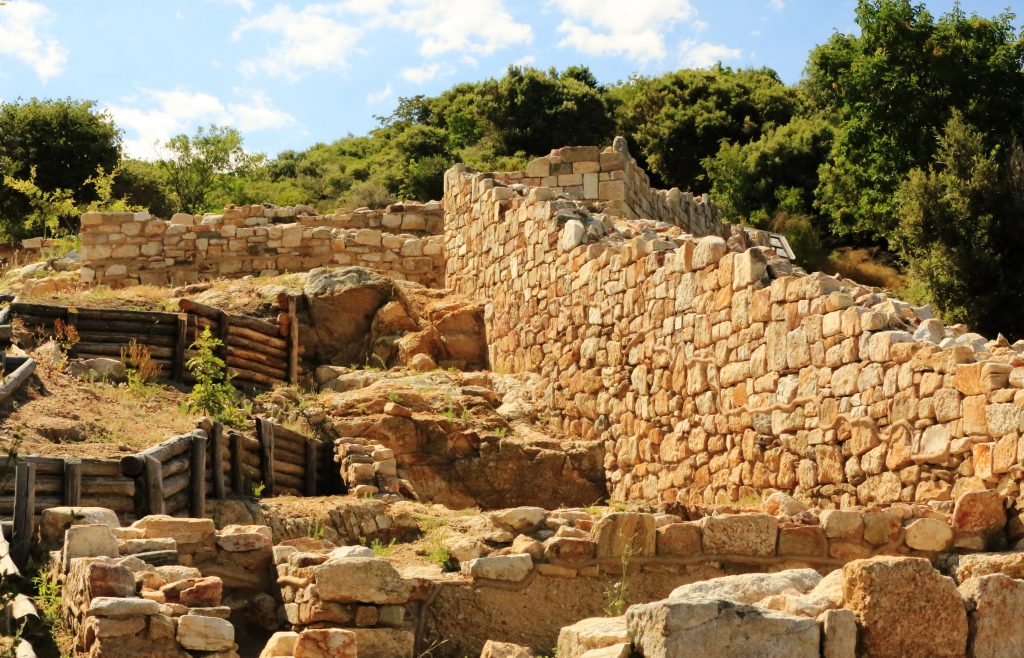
213 393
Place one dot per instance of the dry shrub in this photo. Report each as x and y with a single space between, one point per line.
138 359
861 266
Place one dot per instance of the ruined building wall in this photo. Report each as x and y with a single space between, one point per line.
713 377
120 249
614 178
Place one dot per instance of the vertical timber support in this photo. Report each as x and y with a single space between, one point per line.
293 341
265 435
311 457
180 347
24 511
73 482
217 460
235 444
197 475
154 479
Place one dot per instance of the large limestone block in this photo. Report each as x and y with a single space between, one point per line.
360 579
997 603
896 599
740 534
594 633
326 643
617 533
929 535
749 587
109 606
184 531
520 519
710 249
513 568
55 520
679 540
708 628
205 633
974 565
88 541
839 634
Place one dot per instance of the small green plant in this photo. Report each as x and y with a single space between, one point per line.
466 414
213 393
449 413
500 431
140 369
258 488
48 595
380 549
395 397
316 528
67 337
616 593
440 556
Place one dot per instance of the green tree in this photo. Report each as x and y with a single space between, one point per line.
960 229
141 183
678 119
894 87
198 165
65 141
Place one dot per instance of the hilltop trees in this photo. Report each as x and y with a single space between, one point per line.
65 141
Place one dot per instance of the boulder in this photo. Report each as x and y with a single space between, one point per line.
281 644
55 520
928 535
88 541
98 368
520 519
980 512
360 579
184 531
109 606
619 532
384 642
895 599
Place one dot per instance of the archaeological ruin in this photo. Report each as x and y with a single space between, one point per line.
557 412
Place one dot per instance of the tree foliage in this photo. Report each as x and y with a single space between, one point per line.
197 165
65 142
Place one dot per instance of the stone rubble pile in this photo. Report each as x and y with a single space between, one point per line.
120 249
369 468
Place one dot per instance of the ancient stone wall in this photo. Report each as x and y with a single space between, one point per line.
613 177
713 376
120 249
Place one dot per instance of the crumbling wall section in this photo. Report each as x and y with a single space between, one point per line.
614 178
121 249
713 376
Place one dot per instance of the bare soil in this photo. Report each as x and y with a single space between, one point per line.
58 415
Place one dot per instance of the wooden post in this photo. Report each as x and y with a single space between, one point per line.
217 460
311 457
180 346
72 481
235 446
24 511
223 328
198 475
293 341
72 317
154 486
265 435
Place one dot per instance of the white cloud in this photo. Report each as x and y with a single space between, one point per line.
420 74
375 97
154 116
635 30
22 37
704 54
525 60
301 41
699 25
777 5
480 27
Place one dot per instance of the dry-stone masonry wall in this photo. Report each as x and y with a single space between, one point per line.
716 373
120 249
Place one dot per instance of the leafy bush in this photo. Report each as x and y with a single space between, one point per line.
213 393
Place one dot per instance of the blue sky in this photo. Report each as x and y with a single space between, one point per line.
290 74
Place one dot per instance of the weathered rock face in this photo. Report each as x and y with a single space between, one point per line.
905 608
710 628
341 306
360 579
750 588
589 634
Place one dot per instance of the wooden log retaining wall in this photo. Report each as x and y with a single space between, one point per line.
258 353
175 477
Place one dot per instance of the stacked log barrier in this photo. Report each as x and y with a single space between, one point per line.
258 353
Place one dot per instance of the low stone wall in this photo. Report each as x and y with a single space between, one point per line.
612 176
120 249
716 373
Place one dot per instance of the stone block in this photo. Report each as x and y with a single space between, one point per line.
618 532
589 634
326 643
679 540
740 534
205 633
513 568
360 579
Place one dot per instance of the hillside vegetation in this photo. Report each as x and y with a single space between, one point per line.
902 142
